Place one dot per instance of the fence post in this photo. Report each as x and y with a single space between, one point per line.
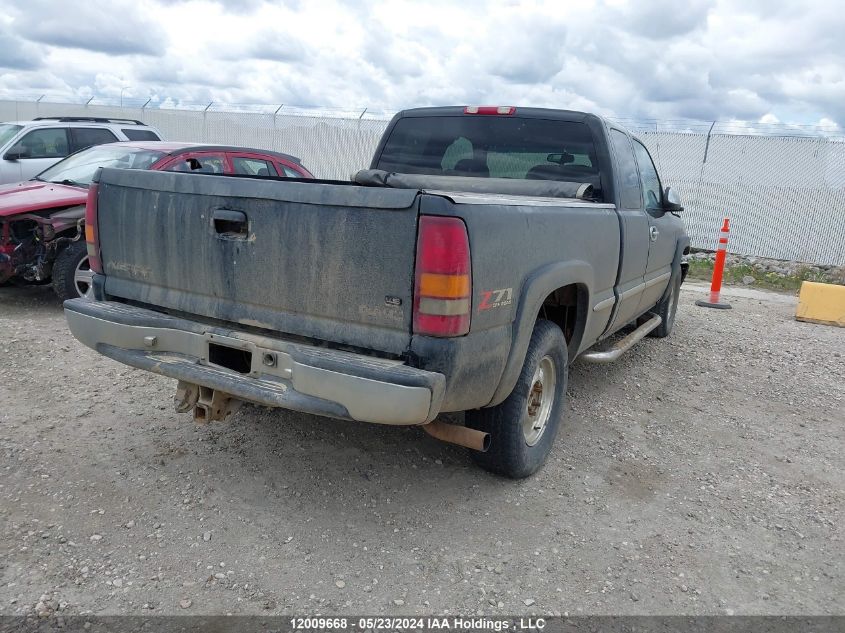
274 122
205 122
707 143
703 161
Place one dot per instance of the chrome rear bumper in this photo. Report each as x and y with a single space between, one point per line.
274 372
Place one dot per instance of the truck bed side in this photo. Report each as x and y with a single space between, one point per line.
523 249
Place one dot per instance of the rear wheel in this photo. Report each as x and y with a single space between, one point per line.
523 428
72 274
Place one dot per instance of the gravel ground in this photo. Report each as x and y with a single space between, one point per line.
702 474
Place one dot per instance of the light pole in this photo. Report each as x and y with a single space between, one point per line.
121 94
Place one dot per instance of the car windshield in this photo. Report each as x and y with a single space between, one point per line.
7 131
80 168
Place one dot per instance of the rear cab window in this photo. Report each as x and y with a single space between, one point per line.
492 147
140 135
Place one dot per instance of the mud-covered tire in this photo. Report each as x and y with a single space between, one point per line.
66 271
667 308
509 424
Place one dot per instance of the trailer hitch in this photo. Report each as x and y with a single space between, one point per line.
207 404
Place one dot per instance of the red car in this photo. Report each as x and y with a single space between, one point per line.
42 235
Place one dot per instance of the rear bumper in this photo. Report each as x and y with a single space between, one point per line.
280 373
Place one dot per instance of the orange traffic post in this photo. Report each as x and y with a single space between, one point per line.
715 300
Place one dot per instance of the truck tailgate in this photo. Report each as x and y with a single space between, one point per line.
324 261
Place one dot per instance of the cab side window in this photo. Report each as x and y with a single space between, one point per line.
45 143
85 137
630 195
648 178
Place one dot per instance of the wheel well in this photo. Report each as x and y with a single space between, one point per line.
567 308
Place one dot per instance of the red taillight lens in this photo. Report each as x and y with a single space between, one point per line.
489 110
443 289
92 239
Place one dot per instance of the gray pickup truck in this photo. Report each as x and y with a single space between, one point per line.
484 250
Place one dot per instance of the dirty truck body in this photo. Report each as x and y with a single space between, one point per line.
479 256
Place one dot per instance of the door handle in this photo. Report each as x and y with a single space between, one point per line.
653 233
229 223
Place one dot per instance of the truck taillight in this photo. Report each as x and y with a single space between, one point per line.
443 288
92 240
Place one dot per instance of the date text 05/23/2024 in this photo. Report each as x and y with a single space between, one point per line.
455 623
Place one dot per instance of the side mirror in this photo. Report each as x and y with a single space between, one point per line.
17 152
672 201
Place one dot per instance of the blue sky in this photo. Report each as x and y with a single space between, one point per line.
661 59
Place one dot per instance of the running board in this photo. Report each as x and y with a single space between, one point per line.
620 347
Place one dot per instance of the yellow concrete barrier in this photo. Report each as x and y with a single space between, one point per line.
821 303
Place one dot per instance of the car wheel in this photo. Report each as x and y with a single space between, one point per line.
523 428
667 308
72 274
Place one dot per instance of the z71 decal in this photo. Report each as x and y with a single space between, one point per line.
495 298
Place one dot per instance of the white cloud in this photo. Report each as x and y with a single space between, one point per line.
710 59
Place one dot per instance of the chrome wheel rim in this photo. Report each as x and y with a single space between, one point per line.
83 278
540 401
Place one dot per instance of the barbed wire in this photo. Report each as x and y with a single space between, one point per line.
637 125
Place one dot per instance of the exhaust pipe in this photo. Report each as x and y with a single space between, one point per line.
460 435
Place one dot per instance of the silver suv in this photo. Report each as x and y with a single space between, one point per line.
29 147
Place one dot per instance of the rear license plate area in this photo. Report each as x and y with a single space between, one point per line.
239 360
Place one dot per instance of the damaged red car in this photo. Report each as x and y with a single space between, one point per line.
42 233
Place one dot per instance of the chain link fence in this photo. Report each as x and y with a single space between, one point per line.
783 187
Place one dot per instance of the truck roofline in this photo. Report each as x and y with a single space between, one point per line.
520 112
523 112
